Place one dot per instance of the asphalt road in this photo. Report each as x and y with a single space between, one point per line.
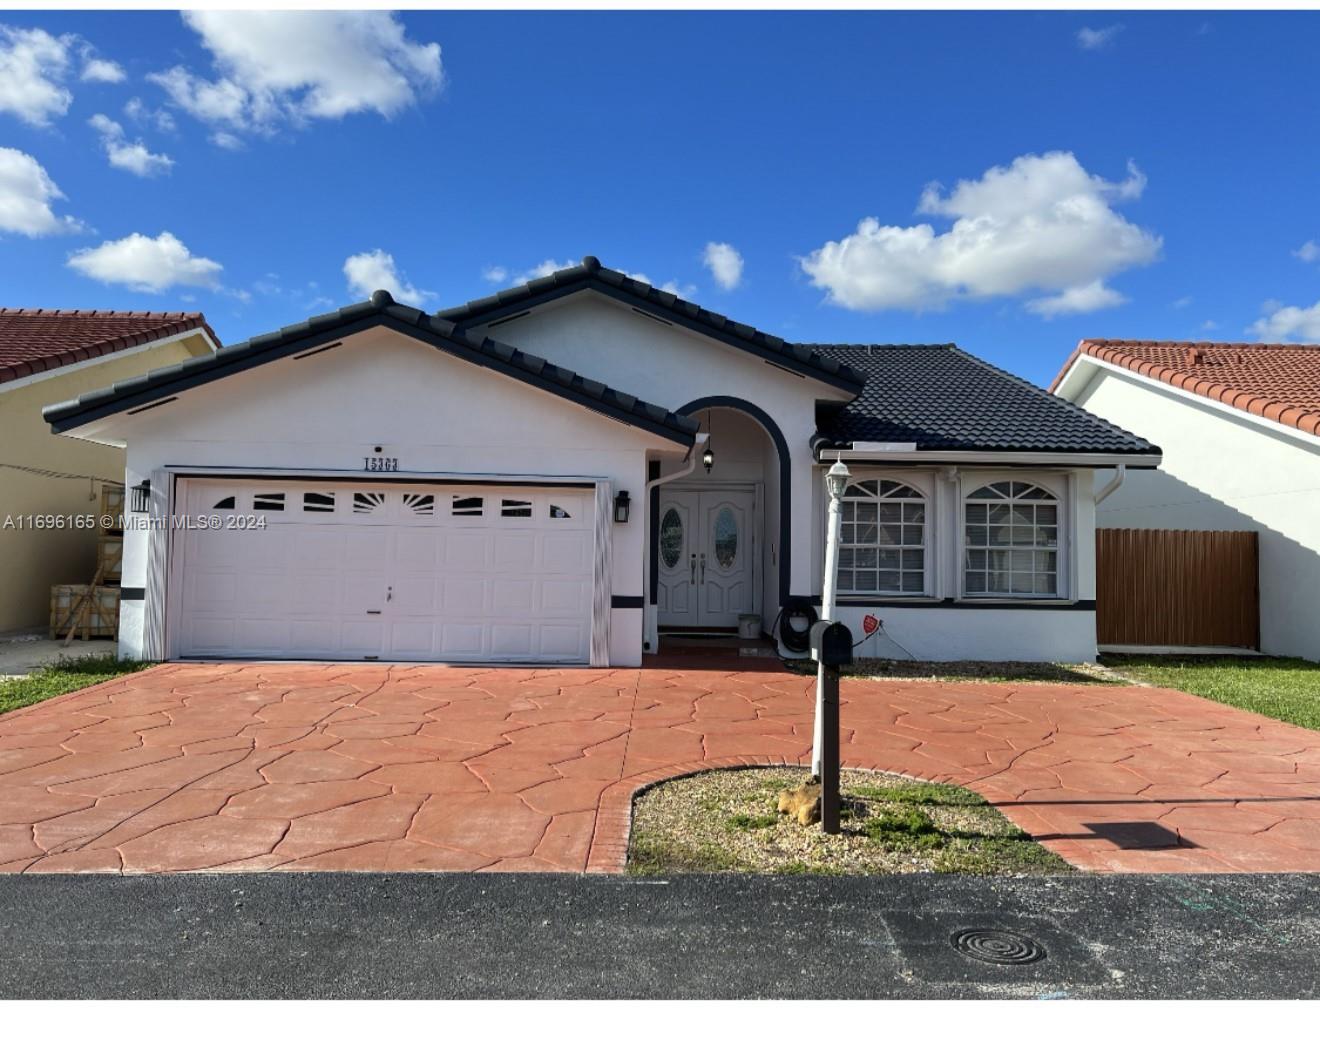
281 935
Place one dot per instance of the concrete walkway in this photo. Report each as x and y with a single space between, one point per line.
387 768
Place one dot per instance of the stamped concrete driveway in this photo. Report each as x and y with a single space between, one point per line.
381 768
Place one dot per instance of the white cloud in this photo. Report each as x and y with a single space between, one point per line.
103 71
1283 323
724 263
144 264
225 140
128 156
375 270
503 274
294 66
1041 224
1308 252
1089 39
26 194
1086 298
1183 302
33 65
139 112
221 102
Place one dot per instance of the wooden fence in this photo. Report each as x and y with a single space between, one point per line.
1177 588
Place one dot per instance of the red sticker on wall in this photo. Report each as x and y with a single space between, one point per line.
870 624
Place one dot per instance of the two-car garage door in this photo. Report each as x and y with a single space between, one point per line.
389 571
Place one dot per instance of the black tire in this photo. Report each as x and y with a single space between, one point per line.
797 638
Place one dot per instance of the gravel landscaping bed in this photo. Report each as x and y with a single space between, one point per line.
726 821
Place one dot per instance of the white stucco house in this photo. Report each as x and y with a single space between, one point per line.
572 469
1239 425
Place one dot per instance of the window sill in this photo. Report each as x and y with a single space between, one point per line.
866 598
1017 601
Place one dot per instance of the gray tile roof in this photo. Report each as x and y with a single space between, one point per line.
942 398
381 310
590 274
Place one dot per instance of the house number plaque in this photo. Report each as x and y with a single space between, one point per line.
374 463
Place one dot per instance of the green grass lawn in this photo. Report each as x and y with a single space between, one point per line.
62 677
727 821
1278 687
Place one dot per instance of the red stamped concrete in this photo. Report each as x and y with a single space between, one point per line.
398 767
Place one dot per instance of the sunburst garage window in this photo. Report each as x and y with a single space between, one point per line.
882 548
1011 541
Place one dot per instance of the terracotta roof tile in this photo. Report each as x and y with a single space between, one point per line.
1277 382
36 340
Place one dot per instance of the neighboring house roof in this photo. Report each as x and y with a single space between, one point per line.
36 340
381 310
1280 383
942 398
591 275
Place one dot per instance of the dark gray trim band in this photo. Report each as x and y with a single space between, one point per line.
324 476
957 604
785 479
627 602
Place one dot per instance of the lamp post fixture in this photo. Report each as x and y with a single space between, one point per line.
836 482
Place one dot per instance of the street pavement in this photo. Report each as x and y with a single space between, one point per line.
323 935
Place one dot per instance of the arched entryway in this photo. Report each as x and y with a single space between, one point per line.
720 538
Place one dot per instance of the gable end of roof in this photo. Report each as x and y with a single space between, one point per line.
381 310
591 275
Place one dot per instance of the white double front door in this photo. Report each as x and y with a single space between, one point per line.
706 553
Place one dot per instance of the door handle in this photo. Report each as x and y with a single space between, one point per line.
703 568
389 593
693 558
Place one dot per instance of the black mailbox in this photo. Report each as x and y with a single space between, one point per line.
832 643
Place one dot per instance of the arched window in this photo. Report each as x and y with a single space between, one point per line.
882 547
1011 541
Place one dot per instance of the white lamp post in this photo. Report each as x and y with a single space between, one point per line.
836 482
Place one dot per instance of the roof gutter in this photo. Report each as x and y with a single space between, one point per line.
1136 459
1120 474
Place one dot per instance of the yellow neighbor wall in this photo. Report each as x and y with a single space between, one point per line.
31 561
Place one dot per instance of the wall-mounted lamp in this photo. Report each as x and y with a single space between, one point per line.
708 459
621 506
140 500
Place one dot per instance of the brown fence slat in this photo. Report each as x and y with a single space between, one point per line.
1177 588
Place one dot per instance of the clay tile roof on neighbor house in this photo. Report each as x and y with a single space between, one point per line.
37 340
942 398
1278 382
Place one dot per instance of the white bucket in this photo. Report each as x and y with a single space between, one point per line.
749 626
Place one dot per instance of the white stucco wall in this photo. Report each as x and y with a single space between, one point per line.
672 366
435 413
1224 471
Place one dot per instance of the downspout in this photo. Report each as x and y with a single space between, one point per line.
693 456
1120 473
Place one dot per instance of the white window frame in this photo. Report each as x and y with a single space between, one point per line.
923 488
1058 488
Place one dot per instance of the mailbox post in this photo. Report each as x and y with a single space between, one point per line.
832 646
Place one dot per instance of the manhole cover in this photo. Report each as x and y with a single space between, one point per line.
1002 947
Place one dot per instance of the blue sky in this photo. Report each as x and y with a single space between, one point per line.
1157 177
